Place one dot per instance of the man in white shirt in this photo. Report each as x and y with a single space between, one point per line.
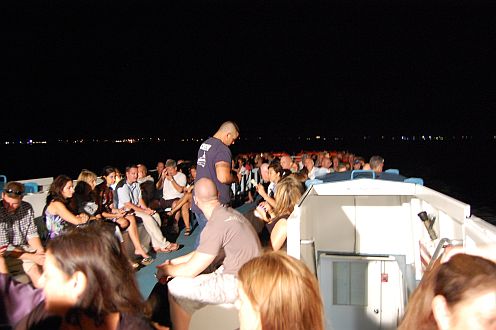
130 198
173 186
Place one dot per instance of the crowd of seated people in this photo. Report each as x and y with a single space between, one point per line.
96 203
322 165
279 187
109 212
331 166
458 292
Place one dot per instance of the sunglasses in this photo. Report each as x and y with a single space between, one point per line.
15 192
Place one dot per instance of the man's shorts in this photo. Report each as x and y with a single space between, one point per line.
195 293
166 203
19 268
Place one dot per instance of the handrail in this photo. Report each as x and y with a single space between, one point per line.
362 172
442 245
418 181
31 187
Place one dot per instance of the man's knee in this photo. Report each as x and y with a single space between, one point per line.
148 220
24 271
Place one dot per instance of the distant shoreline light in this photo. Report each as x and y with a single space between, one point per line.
317 138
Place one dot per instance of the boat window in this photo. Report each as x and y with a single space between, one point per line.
350 283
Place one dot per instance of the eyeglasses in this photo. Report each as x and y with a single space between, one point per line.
15 192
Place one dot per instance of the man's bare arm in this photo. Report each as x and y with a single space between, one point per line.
195 265
223 172
35 242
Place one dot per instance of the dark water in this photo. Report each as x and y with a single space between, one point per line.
461 169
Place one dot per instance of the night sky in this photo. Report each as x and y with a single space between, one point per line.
183 67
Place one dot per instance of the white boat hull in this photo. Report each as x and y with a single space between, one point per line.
372 227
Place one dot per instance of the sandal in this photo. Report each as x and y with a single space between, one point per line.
171 248
146 261
187 231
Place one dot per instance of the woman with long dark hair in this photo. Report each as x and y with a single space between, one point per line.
88 284
58 214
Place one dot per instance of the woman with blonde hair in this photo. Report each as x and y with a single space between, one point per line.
278 292
85 198
288 193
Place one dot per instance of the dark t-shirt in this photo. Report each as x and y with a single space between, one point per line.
211 152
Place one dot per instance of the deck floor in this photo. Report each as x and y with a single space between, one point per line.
145 275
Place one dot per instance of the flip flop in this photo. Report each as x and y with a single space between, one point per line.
171 248
187 231
146 261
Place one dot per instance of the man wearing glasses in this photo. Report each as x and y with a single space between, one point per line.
24 252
